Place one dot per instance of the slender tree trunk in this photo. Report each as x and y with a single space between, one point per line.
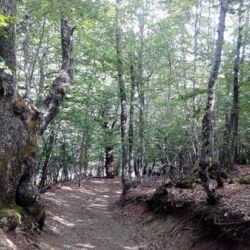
168 104
40 90
141 94
131 119
25 44
207 122
46 163
227 153
123 101
32 67
194 121
81 159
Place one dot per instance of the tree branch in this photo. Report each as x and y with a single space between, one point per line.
52 102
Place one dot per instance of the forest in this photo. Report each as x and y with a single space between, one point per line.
128 113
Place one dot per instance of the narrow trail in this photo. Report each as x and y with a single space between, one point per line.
80 218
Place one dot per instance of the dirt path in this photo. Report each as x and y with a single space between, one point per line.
80 218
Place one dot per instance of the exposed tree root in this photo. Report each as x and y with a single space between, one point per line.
227 220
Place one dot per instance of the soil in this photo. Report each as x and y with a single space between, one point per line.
90 217
81 218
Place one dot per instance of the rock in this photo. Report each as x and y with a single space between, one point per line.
9 219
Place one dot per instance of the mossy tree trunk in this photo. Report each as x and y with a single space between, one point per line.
21 124
207 122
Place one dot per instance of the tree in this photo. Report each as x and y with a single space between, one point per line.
207 122
123 101
228 151
22 123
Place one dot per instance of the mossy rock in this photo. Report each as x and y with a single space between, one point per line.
244 180
10 218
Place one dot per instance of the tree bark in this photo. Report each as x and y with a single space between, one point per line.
227 153
123 101
109 161
51 104
46 163
207 122
25 47
131 120
21 123
141 94
12 128
109 145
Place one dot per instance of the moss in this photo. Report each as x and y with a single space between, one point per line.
224 173
19 210
33 125
29 148
244 180
9 219
212 170
19 105
187 182
9 213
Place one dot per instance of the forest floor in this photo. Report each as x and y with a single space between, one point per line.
81 218
91 217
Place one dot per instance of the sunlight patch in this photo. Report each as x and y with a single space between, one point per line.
11 244
88 246
133 248
66 188
98 205
62 221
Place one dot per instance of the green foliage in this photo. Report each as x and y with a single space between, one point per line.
160 37
5 21
5 67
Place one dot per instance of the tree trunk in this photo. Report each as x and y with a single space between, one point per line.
46 163
25 47
108 128
227 153
41 77
20 123
141 94
207 122
131 120
109 162
14 134
123 101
